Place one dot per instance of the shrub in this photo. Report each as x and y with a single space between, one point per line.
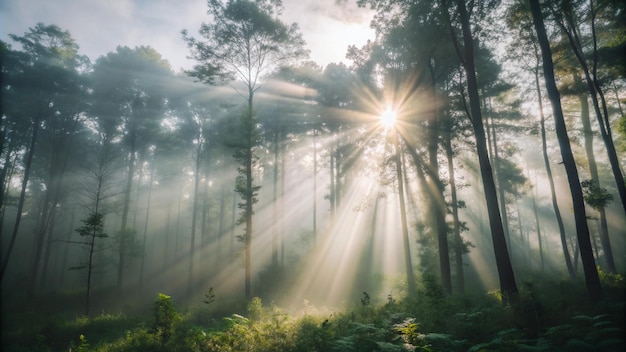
165 318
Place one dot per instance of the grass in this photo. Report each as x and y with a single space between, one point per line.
550 315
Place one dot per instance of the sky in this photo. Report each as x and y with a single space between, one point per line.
99 26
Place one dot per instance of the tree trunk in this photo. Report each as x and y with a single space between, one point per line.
314 185
596 94
20 204
536 213
593 171
194 214
458 240
544 151
145 230
124 231
275 203
220 223
439 208
63 268
331 195
410 278
166 247
508 286
500 186
582 230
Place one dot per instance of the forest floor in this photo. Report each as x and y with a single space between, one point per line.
550 315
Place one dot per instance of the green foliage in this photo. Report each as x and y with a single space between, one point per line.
611 279
446 323
597 197
255 309
411 335
84 346
165 318
314 334
209 297
93 226
365 300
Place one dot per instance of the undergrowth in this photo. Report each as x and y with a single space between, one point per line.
547 316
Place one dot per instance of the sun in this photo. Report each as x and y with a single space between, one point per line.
388 118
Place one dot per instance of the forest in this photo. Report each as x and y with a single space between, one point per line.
457 186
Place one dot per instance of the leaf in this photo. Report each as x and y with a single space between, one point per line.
582 319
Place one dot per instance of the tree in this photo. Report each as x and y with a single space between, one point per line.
130 86
44 81
92 229
244 42
520 17
582 230
564 13
465 53
96 192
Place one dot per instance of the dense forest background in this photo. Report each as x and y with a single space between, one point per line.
472 147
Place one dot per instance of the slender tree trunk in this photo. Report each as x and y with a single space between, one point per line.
544 151
338 174
41 234
5 174
439 208
538 230
194 214
58 170
595 178
63 268
221 220
96 232
248 239
410 278
124 231
204 222
597 95
249 194
314 185
145 230
458 240
46 250
281 228
177 235
582 230
9 171
166 246
500 186
20 204
508 286
331 196
275 203
233 225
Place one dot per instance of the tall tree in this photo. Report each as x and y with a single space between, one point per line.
566 15
465 53
130 86
46 75
520 18
245 40
98 190
582 230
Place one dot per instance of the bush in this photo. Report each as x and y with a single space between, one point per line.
165 318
